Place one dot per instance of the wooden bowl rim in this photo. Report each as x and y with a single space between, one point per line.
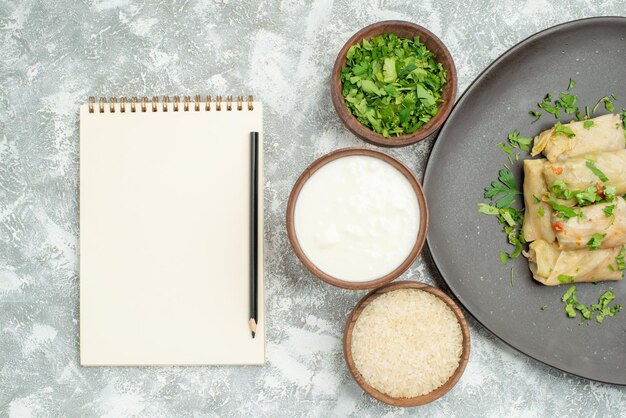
418 400
421 233
365 133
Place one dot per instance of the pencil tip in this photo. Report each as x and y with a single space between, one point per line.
253 334
252 325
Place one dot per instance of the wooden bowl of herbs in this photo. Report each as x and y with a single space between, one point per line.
393 83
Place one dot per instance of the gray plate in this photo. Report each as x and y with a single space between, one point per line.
465 244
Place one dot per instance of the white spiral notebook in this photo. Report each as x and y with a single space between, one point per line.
164 232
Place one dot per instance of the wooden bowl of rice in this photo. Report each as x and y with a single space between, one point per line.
406 343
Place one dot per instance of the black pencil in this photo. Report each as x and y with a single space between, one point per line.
254 213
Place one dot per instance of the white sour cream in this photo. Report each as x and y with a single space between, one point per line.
357 218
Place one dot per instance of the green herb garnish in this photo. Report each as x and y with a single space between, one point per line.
512 220
504 191
608 104
569 310
488 209
592 166
520 142
548 107
566 102
583 197
565 279
505 148
602 307
608 210
536 114
561 211
392 85
541 211
609 193
588 124
564 129
619 260
570 301
571 84
570 293
595 241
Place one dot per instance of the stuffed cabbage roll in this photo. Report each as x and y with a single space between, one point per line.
537 216
605 223
606 134
577 175
551 266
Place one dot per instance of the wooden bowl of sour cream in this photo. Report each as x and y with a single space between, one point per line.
357 218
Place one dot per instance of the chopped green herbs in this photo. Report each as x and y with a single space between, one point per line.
566 102
541 211
595 241
619 260
563 129
561 211
505 148
536 114
488 209
588 124
392 85
601 309
520 142
569 310
583 197
565 279
571 293
502 194
512 220
608 104
548 107
592 166
609 193
608 210
504 191
571 84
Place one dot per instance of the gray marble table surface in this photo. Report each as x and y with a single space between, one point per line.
55 54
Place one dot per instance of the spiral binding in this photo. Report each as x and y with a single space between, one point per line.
145 105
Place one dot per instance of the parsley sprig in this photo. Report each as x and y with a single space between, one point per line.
504 190
502 193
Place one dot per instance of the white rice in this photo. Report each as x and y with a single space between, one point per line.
407 343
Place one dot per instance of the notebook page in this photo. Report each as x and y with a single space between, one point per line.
164 237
